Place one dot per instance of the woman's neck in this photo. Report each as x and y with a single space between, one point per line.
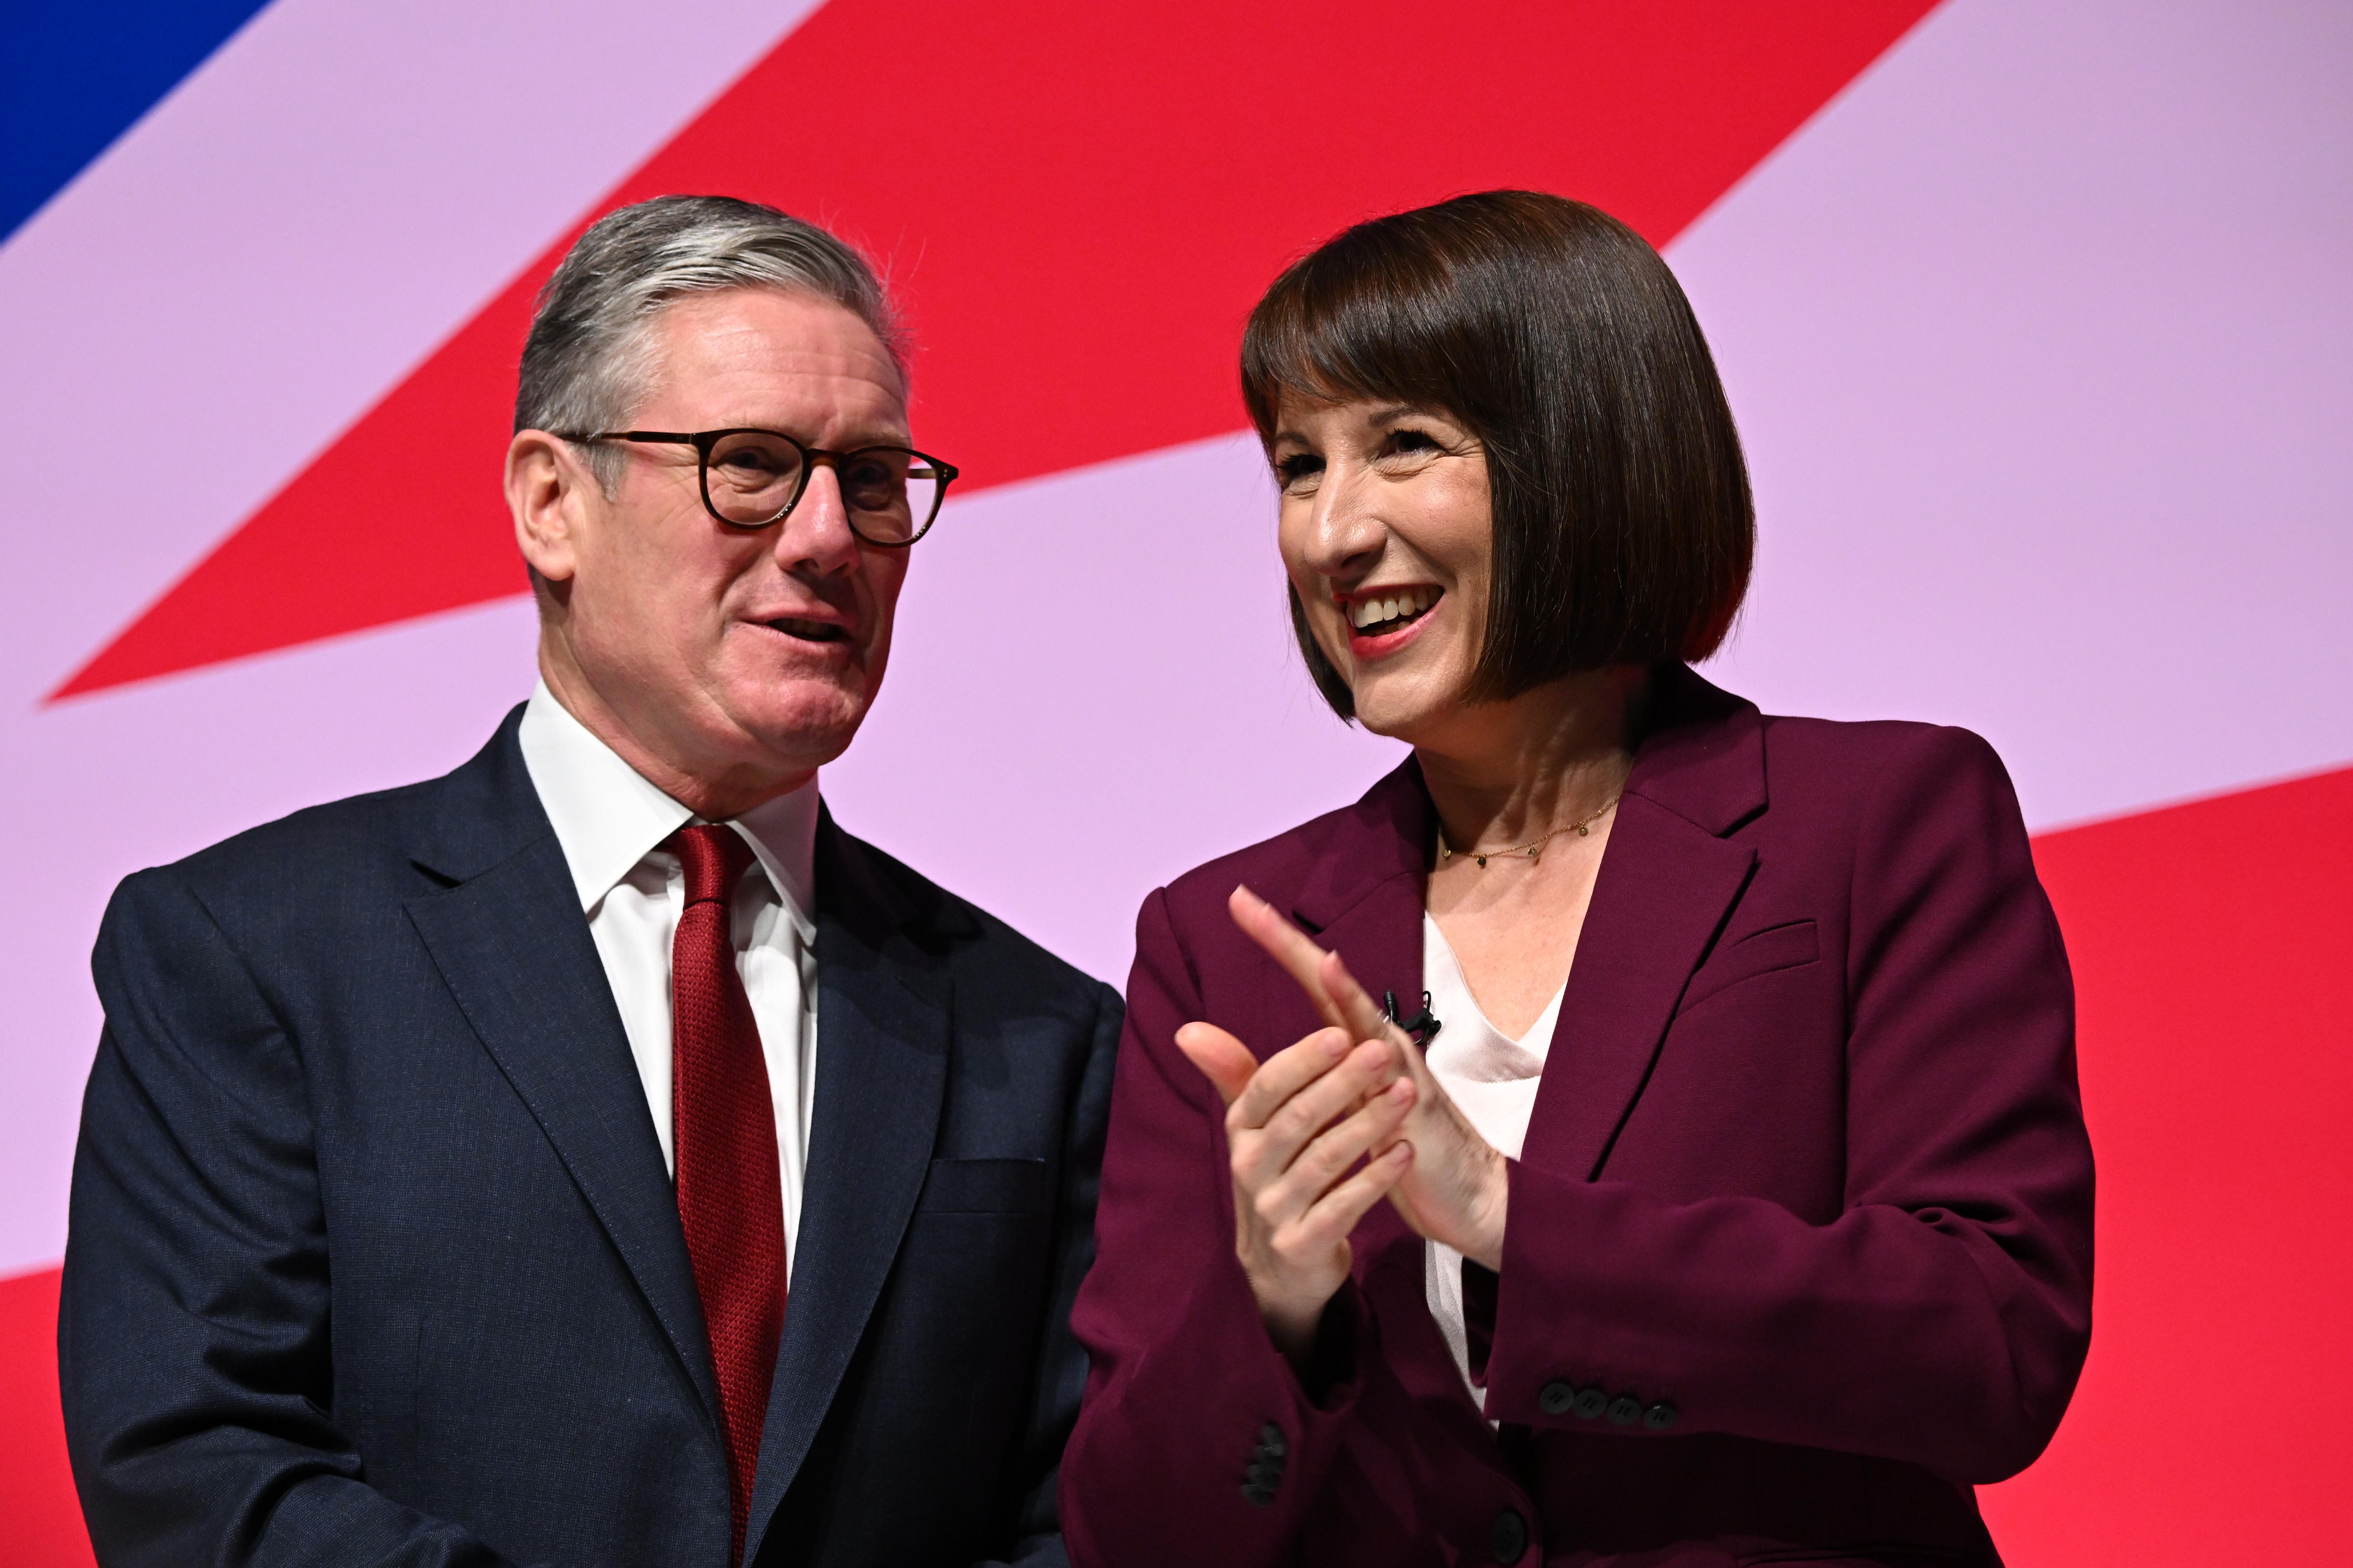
1502 773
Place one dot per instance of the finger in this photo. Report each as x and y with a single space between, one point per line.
1284 1074
1296 1123
1224 1060
1337 1212
1288 946
1339 1146
1358 1013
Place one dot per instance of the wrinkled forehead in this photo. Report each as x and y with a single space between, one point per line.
758 356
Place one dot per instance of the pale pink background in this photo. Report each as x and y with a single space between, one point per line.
2039 337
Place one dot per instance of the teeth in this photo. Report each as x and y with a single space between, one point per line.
1372 612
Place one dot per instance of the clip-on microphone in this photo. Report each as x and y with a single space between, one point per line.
1423 1026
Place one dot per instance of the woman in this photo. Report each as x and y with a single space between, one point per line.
1738 1204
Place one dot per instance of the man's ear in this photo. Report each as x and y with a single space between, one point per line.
550 491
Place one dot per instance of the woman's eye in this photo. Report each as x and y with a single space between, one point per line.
1413 441
1300 469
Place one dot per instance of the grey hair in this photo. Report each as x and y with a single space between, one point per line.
588 361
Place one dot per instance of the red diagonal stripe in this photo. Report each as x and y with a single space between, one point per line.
1080 203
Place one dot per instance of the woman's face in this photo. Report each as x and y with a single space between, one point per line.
1388 536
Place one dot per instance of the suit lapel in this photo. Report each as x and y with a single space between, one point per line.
1664 888
1668 881
510 944
883 1032
1362 900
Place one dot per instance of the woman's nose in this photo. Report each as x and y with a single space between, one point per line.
1344 525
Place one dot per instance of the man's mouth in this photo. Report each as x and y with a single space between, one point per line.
807 631
1390 610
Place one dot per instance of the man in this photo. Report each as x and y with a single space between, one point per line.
596 1156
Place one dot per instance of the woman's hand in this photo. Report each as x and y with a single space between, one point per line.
1456 1190
1296 1125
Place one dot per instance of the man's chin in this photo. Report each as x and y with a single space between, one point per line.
804 723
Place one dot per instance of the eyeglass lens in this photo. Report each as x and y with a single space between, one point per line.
752 477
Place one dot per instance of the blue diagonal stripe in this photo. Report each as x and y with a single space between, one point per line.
73 77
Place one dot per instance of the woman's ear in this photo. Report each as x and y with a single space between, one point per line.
549 490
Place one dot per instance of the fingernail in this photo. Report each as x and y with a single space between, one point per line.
1335 1044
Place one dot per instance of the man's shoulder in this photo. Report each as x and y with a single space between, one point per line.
982 950
335 853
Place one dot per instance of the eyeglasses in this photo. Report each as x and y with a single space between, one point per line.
750 478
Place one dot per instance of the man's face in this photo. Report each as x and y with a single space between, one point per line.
743 659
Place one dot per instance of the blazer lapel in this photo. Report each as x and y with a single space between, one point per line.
1665 890
883 1033
1362 900
1668 881
510 944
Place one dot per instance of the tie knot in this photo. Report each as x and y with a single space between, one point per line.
715 858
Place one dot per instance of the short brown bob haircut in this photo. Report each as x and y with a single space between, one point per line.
1623 525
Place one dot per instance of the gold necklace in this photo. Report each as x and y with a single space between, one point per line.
1533 848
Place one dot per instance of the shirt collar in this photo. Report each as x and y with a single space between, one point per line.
607 817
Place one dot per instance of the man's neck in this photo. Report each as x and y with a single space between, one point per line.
712 790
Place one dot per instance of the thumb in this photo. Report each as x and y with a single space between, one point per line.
1224 1060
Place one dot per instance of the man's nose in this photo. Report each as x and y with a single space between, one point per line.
816 535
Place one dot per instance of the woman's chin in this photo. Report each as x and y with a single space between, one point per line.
1405 711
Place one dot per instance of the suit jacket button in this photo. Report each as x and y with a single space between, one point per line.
1660 1416
1625 1410
1589 1404
1507 1538
1270 1439
1554 1398
1259 1494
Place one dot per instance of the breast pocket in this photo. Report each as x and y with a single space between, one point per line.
1776 948
988 1186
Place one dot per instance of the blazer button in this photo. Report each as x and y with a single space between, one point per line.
1589 1404
1259 1494
1625 1410
1507 1538
1660 1416
1269 1438
1554 1398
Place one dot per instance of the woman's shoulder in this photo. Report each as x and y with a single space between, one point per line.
1870 757
1363 837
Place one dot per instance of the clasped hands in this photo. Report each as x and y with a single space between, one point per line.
1325 1129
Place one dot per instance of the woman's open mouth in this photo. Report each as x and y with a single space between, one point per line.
1376 618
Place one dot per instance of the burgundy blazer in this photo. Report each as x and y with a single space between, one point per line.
1800 1246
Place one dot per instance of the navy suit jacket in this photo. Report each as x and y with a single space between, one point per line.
1799 1244
374 1258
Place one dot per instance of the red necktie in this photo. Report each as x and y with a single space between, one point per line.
729 1192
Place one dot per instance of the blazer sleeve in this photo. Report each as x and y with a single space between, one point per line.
1062 1364
1198 1443
193 1327
1943 1317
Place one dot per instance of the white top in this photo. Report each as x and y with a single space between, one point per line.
610 820
1494 1078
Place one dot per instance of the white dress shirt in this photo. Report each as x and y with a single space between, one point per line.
610 823
1494 1078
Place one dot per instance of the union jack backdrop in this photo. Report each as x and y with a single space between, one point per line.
2037 316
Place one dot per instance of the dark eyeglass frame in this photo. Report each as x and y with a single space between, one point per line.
705 441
